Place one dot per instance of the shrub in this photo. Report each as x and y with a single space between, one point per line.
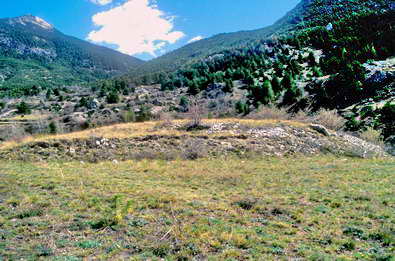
228 86
347 246
129 116
13 132
166 119
53 129
144 114
30 213
44 251
194 149
387 119
83 102
161 250
330 119
87 244
303 116
246 204
270 113
373 136
195 112
353 124
115 214
184 102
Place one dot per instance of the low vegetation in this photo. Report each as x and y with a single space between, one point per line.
319 208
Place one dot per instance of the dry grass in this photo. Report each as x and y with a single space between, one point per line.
330 119
129 130
270 113
373 136
30 117
14 133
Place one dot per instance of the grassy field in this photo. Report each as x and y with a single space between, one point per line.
318 208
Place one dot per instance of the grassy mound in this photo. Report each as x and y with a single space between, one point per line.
171 140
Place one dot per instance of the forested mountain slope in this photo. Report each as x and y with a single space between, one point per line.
325 61
201 49
33 52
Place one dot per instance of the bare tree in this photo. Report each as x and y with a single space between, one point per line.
195 113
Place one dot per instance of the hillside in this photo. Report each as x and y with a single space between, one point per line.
338 55
201 49
33 52
308 13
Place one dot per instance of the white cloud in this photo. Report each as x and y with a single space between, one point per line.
101 2
197 38
137 26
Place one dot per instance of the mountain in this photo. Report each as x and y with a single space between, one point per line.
307 13
201 49
33 52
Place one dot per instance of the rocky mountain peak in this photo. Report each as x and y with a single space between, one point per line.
31 19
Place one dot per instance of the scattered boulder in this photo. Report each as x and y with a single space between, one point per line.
93 104
329 27
229 138
320 129
76 118
390 144
380 72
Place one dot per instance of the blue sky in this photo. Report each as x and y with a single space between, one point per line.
149 28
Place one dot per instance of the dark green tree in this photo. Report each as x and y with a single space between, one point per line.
193 87
228 86
267 92
184 103
241 108
53 129
23 108
113 97
276 85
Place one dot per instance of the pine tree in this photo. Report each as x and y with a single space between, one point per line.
53 129
48 94
241 108
267 92
288 81
193 87
113 97
83 102
276 85
228 86
184 103
292 95
23 108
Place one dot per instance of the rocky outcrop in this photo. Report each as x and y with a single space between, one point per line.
380 72
321 129
220 139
